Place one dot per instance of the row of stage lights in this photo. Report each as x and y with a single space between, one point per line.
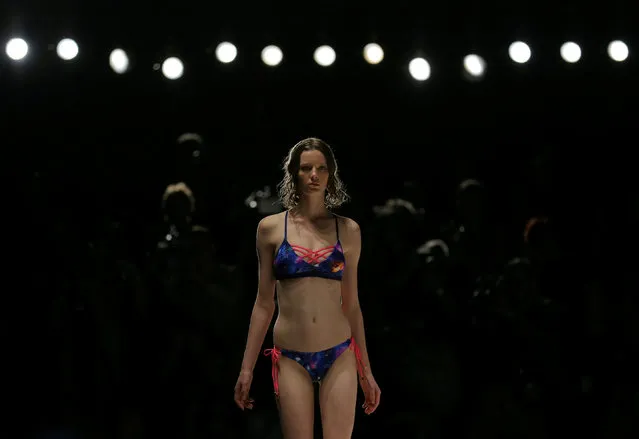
419 68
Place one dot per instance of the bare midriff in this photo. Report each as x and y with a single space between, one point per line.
310 317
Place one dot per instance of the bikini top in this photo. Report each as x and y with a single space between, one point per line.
295 261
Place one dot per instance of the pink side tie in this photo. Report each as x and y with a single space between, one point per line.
275 358
358 356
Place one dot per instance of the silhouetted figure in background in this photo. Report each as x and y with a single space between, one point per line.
561 282
396 236
194 168
119 309
442 305
475 253
437 310
475 259
521 339
186 294
473 239
96 317
191 168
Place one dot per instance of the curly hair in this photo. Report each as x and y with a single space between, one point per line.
287 188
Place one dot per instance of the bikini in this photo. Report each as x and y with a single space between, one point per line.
293 262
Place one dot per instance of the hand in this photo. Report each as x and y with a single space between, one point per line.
242 388
372 393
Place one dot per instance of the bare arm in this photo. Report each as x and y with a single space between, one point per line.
350 295
264 306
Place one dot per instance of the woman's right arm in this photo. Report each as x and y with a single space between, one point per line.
264 306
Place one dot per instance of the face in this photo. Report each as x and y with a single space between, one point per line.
313 173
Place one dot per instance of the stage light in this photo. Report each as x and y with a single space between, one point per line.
272 55
172 68
373 53
324 56
474 65
618 51
570 52
119 61
17 49
419 69
519 52
67 49
226 52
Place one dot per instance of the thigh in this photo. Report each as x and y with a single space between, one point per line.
338 397
296 401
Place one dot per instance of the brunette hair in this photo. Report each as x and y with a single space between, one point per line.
287 189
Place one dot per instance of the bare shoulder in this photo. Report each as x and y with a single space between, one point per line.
348 226
269 224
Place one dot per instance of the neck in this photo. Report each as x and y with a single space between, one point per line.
311 207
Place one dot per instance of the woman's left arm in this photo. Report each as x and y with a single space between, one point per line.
352 310
350 296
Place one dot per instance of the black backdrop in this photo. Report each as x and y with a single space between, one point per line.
85 147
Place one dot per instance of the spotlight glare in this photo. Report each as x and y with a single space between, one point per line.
226 52
324 56
272 56
373 53
17 49
519 52
570 52
474 65
67 49
618 51
419 69
172 68
119 61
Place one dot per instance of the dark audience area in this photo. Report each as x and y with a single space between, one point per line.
483 321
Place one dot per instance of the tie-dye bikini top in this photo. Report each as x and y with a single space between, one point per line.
294 261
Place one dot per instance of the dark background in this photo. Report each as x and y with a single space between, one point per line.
116 332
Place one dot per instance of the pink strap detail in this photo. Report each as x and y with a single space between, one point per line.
358 356
308 250
275 358
313 255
